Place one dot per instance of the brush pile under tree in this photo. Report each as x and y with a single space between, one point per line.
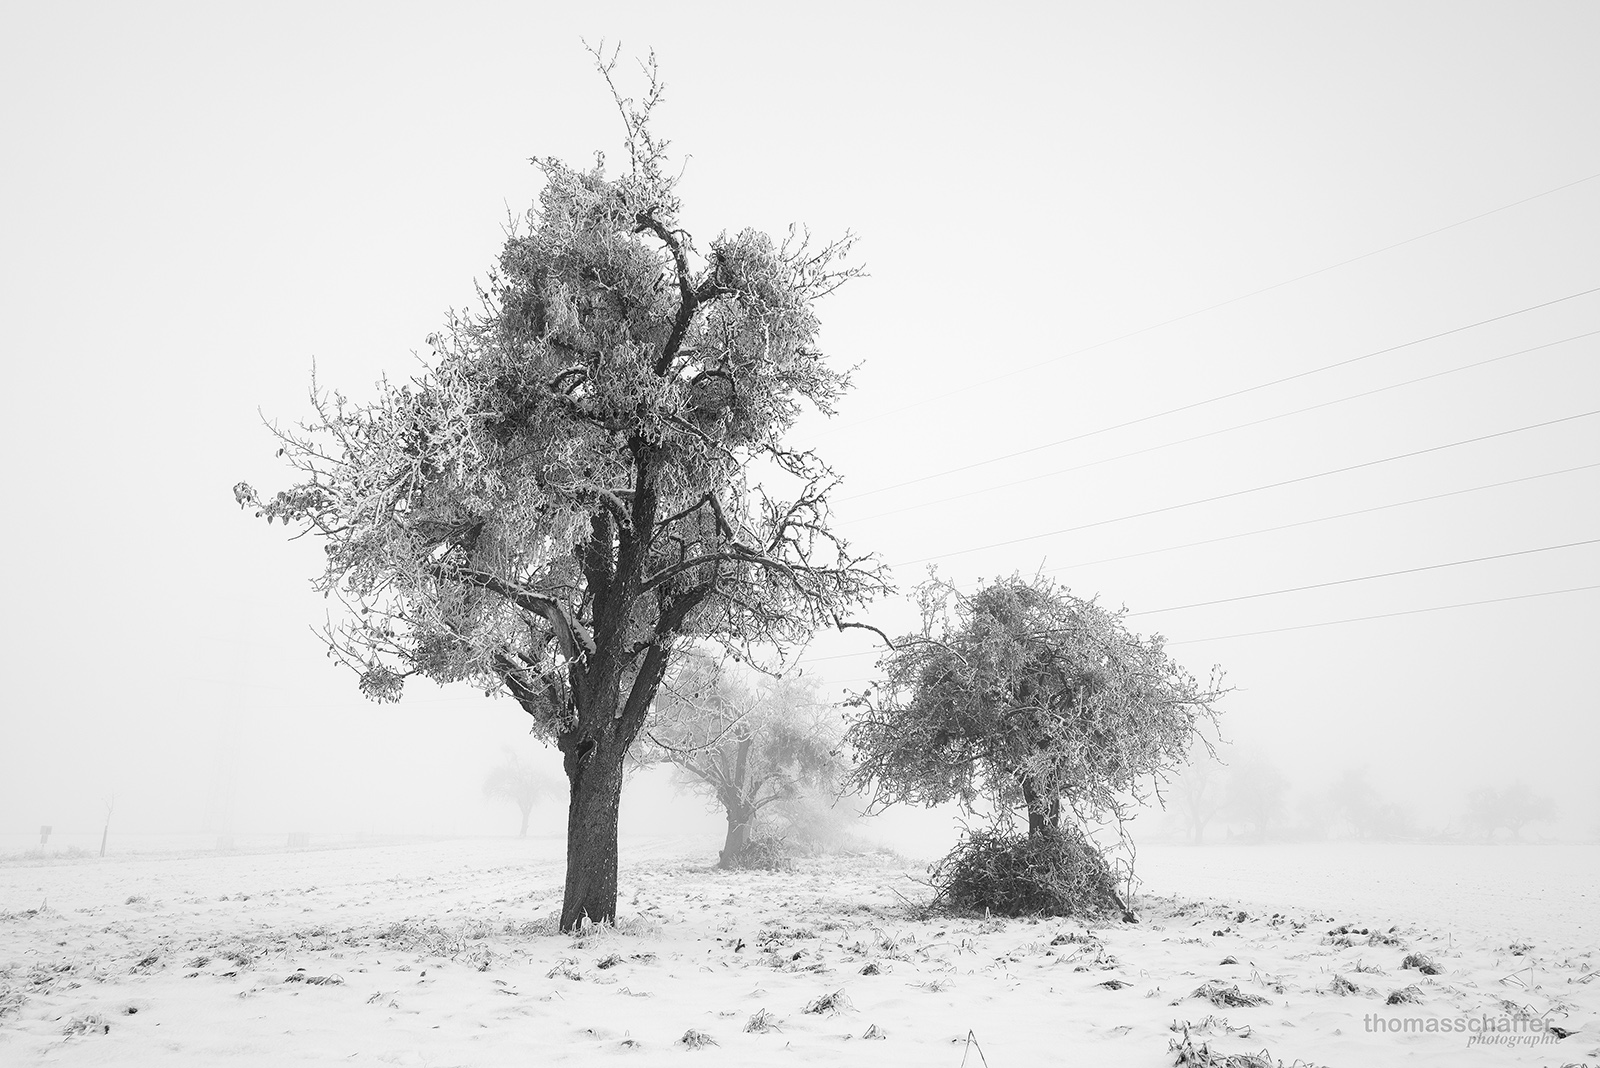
1058 874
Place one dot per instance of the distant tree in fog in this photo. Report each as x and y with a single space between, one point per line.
1257 795
516 780
1196 794
749 746
1357 802
1513 808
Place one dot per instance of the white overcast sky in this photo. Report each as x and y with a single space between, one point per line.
1074 217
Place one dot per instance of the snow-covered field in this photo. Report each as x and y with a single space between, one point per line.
444 953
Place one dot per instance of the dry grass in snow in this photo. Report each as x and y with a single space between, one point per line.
446 954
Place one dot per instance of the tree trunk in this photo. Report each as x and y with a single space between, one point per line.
525 814
595 775
1044 813
740 821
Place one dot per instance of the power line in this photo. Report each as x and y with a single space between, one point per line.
1334 622
1226 396
1380 615
1252 489
1366 578
1219 304
1268 530
1324 519
1224 430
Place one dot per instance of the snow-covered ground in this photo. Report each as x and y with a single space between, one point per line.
443 953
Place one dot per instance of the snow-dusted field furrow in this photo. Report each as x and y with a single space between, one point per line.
445 954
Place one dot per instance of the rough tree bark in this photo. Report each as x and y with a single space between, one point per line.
595 775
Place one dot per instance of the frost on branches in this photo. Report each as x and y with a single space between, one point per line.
591 471
1025 696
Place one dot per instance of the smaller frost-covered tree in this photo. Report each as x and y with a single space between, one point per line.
516 780
1033 700
748 746
1028 697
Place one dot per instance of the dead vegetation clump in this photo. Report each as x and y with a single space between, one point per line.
1224 996
1422 963
1406 995
762 853
11 1000
1343 987
762 1022
832 1004
1006 874
315 980
531 928
1189 1055
565 968
88 1024
693 1039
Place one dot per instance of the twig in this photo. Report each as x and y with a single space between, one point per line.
972 1040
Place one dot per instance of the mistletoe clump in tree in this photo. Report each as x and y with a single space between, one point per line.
591 471
749 747
1033 700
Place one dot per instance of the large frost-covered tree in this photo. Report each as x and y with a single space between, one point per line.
591 470
1028 697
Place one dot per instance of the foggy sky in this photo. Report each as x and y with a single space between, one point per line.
1073 218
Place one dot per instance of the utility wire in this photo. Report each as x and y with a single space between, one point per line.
1365 578
1322 519
1224 396
1219 304
1253 489
1380 615
1333 622
1224 430
1263 530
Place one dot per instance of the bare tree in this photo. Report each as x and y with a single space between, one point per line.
1513 808
749 745
1257 795
1363 809
1197 792
520 782
588 472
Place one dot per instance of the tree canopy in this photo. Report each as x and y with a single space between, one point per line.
1025 696
588 470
